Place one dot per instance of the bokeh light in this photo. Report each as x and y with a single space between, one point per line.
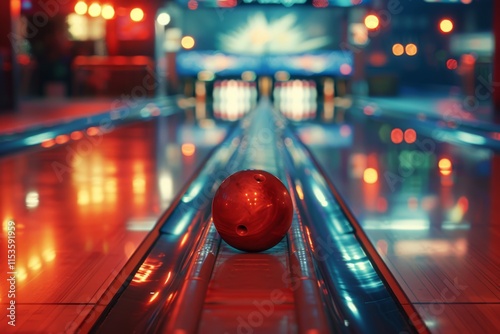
95 9
451 64
136 14
163 19
410 136
372 21
345 69
411 49
81 8
398 49
446 25
188 149
108 12
187 42
370 175
444 163
192 4
397 136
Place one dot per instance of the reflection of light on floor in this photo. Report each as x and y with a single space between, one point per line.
49 255
32 200
166 185
300 193
154 296
34 263
141 224
22 274
396 224
83 197
436 247
139 185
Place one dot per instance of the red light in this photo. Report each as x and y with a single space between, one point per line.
368 110
410 136
468 59
397 136
192 4
320 3
92 131
48 143
62 139
451 64
223 3
76 135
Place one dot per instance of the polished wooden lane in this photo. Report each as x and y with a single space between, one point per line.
430 209
82 208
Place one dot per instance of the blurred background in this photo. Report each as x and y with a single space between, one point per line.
342 47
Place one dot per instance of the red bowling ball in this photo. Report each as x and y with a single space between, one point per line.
252 210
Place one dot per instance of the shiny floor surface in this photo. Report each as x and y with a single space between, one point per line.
81 209
47 112
430 208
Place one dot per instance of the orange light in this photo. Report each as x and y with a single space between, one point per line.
187 42
370 175
136 14
95 9
446 26
92 131
372 21
192 4
108 12
81 8
444 163
48 143
184 239
410 136
76 135
397 136
62 139
188 149
411 49
398 49
154 296
451 64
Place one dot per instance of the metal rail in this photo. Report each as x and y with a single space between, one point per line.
191 282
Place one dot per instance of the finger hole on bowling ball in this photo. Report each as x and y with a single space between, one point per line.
241 230
259 178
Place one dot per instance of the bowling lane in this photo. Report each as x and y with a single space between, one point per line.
316 280
80 210
428 207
